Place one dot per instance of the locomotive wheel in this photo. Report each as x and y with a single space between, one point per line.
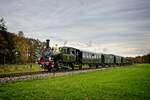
90 65
54 69
96 65
72 67
49 69
80 67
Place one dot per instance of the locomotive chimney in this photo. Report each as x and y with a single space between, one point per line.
47 43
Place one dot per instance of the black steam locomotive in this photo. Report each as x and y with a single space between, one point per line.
72 58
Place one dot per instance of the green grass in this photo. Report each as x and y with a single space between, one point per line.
119 83
19 68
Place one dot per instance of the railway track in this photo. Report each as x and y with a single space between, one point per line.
5 78
37 72
21 74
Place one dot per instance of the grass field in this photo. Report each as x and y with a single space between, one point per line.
19 68
119 83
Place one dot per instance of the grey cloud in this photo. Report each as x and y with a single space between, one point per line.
80 21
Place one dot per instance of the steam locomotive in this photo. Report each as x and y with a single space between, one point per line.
64 58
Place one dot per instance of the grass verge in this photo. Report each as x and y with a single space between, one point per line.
116 83
4 69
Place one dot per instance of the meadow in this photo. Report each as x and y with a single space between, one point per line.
16 68
115 83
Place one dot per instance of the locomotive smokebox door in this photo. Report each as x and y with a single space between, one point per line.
47 43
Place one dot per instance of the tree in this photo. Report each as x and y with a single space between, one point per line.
7 46
22 48
34 50
2 25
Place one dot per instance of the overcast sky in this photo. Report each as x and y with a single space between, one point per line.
120 27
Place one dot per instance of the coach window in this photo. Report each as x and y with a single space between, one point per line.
73 52
77 53
63 50
93 56
90 56
85 55
68 51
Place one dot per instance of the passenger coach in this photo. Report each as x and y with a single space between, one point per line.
69 57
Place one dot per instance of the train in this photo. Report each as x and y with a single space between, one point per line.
64 58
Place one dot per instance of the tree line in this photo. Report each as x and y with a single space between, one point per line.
141 59
15 48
